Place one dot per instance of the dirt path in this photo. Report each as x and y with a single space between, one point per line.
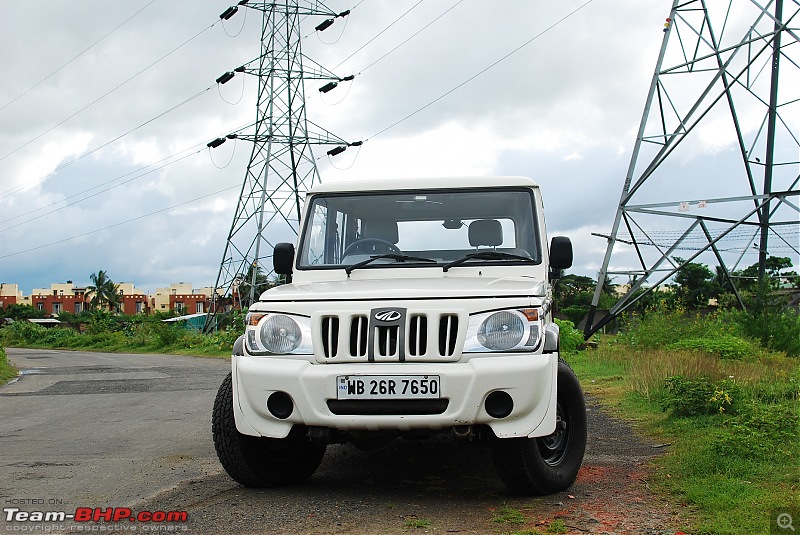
438 487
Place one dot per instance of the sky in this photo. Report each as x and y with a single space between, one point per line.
106 109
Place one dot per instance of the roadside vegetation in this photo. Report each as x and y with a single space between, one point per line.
103 331
7 371
720 387
728 408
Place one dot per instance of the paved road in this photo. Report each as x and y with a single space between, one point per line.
96 428
115 430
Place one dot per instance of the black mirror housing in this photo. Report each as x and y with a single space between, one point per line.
283 258
560 253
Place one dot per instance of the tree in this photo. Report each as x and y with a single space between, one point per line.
262 283
696 284
748 277
103 290
19 311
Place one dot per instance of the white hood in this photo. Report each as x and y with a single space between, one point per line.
408 288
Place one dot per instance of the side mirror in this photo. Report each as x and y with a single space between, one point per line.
560 253
283 258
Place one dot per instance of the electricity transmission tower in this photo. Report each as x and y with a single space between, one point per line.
714 170
282 166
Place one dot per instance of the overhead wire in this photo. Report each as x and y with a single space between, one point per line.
199 146
115 88
85 50
448 10
108 227
12 191
109 188
482 71
379 33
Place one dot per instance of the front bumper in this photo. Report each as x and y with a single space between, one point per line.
530 380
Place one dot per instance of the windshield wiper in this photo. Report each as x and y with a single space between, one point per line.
486 255
392 256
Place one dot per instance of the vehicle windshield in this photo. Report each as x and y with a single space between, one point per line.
420 228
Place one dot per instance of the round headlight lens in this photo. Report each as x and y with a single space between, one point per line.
280 334
501 331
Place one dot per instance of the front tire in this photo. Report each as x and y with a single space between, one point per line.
257 461
544 465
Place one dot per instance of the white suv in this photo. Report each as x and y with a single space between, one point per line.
411 306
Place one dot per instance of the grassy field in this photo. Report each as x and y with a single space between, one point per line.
729 410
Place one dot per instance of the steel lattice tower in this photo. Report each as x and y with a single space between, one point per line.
714 169
282 167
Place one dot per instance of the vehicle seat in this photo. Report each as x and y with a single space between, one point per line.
485 233
382 229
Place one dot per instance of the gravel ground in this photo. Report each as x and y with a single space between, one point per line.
436 486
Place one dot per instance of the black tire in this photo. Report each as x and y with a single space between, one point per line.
258 461
544 465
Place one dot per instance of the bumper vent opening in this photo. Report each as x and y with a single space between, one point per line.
387 407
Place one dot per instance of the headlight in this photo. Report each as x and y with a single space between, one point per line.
504 330
278 334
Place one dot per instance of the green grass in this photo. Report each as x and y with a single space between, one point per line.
7 371
508 515
416 523
142 337
732 416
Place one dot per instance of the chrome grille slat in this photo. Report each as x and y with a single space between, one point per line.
420 337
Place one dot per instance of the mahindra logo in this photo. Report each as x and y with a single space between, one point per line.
387 315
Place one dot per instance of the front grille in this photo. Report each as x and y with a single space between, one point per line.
395 337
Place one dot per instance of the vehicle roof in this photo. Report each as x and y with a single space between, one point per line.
395 184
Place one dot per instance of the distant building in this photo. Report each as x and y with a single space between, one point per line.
131 300
9 294
180 297
66 297
60 297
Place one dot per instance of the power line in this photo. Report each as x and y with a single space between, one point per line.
62 240
379 34
12 191
108 92
448 10
202 146
482 71
109 188
37 84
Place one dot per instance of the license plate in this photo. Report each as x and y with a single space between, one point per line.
387 387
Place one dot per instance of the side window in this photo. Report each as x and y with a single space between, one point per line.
316 237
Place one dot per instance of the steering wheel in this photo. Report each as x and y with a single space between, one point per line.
387 246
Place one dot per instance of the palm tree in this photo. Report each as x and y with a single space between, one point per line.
103 290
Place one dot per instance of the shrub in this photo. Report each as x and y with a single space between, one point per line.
761 432
21 332
571 338
725 346
695 397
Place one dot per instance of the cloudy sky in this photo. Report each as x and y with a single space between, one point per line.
106 107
